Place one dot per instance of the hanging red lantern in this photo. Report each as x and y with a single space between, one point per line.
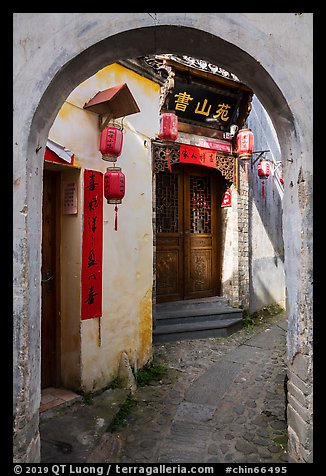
280 174
245 143
245 147
114 185
111 143
114 189
168 126
264 170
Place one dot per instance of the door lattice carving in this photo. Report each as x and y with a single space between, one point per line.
165 155
166 203
200 202
161 153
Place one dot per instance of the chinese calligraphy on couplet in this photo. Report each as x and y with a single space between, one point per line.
91 276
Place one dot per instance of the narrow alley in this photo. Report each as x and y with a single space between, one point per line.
221 400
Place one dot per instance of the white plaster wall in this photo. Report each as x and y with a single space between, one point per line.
126 324
267 278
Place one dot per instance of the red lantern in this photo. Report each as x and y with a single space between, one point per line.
264 170
245 143
111 143
114 189
280 174
114 185
168 126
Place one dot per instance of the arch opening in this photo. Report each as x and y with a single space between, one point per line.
129 44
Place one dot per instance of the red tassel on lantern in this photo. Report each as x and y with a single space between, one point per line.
116 218
264 170
167 154
168 126
111 143
114 189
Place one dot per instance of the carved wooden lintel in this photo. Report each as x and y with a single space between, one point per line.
165 153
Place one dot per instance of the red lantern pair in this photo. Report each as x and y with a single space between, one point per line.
264 170
114 179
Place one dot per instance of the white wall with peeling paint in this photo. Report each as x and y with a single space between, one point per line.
126 324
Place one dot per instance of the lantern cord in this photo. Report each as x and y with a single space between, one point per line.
116 218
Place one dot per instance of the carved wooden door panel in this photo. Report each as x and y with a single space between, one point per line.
186 222
199 234
169 236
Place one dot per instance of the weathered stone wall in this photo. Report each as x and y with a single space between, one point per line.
235 244
300 409
271 52
243 228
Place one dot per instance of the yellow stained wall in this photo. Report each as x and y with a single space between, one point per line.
126 324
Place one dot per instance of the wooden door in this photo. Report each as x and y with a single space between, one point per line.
49 317
187 258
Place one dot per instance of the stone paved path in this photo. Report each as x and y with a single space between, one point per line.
222 401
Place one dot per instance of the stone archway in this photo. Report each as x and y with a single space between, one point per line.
75 46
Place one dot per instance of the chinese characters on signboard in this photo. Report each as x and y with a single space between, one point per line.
91 276
194 103
69 202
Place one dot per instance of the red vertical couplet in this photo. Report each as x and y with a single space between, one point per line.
91 275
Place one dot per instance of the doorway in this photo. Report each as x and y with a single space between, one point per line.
50 267
188 233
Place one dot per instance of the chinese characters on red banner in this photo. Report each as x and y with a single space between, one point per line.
91 276
191 154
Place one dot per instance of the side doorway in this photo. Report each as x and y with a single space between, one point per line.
50 324
188 235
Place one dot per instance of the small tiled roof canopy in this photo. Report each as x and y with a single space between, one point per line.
113 102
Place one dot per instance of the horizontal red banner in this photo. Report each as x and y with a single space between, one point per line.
191 154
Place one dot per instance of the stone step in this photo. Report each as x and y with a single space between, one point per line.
196 330
195 319
193 310
196 315
214 301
